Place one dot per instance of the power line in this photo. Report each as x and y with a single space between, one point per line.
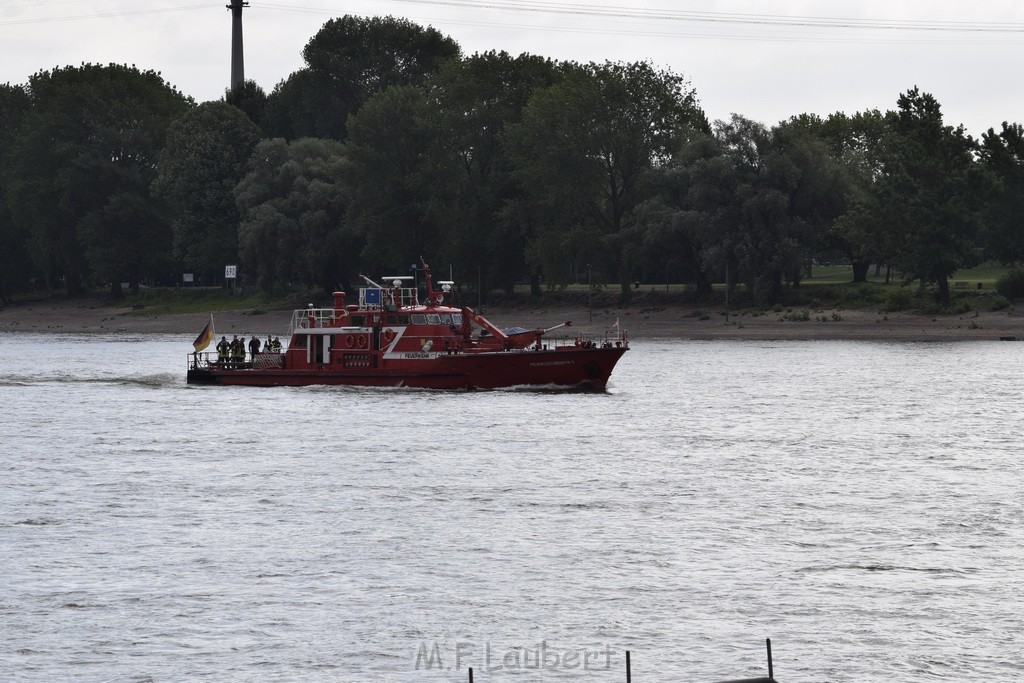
105 15
680 18
620 30
725 18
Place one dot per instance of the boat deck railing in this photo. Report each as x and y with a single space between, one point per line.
208 360
616 337
311 317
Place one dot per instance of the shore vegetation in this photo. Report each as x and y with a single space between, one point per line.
521 176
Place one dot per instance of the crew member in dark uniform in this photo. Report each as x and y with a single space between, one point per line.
223 351
237 351
254 347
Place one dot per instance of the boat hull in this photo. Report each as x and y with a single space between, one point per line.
577 368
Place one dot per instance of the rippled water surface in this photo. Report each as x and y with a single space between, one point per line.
859 503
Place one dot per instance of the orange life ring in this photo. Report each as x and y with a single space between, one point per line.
389 335
350 341
361 341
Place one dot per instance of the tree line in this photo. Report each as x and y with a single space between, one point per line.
390 144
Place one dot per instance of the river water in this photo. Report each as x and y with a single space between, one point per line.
858 503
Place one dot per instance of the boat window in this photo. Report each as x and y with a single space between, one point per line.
300 341
457 318
356 321
446 319
403 320
419 319
433 319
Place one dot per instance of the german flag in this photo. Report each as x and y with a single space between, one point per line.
205 337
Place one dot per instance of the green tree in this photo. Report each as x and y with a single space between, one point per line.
347 61
475 100
250 98
395 165
584 151
17 268
83 164
789 191
816 183
200 166
926 196
293 201
1003 154
757 199
127 236
693 212
865 234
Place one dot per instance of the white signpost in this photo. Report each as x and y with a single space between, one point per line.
230 273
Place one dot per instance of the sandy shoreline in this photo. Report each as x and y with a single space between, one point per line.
94 316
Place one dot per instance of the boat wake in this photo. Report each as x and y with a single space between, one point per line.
515 389
155 381
553 389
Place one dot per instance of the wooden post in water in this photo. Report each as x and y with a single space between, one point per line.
771 670
629 673
470 674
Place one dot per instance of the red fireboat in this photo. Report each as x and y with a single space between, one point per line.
391 339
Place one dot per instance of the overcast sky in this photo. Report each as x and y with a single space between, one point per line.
765 60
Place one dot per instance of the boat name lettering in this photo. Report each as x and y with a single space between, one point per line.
551 362
417 355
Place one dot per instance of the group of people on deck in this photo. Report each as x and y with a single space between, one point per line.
232 353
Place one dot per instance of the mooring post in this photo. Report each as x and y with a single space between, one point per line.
759 679
470 674
629 673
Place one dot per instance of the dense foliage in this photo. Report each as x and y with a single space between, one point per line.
390 144
292 201
81 170
203 162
